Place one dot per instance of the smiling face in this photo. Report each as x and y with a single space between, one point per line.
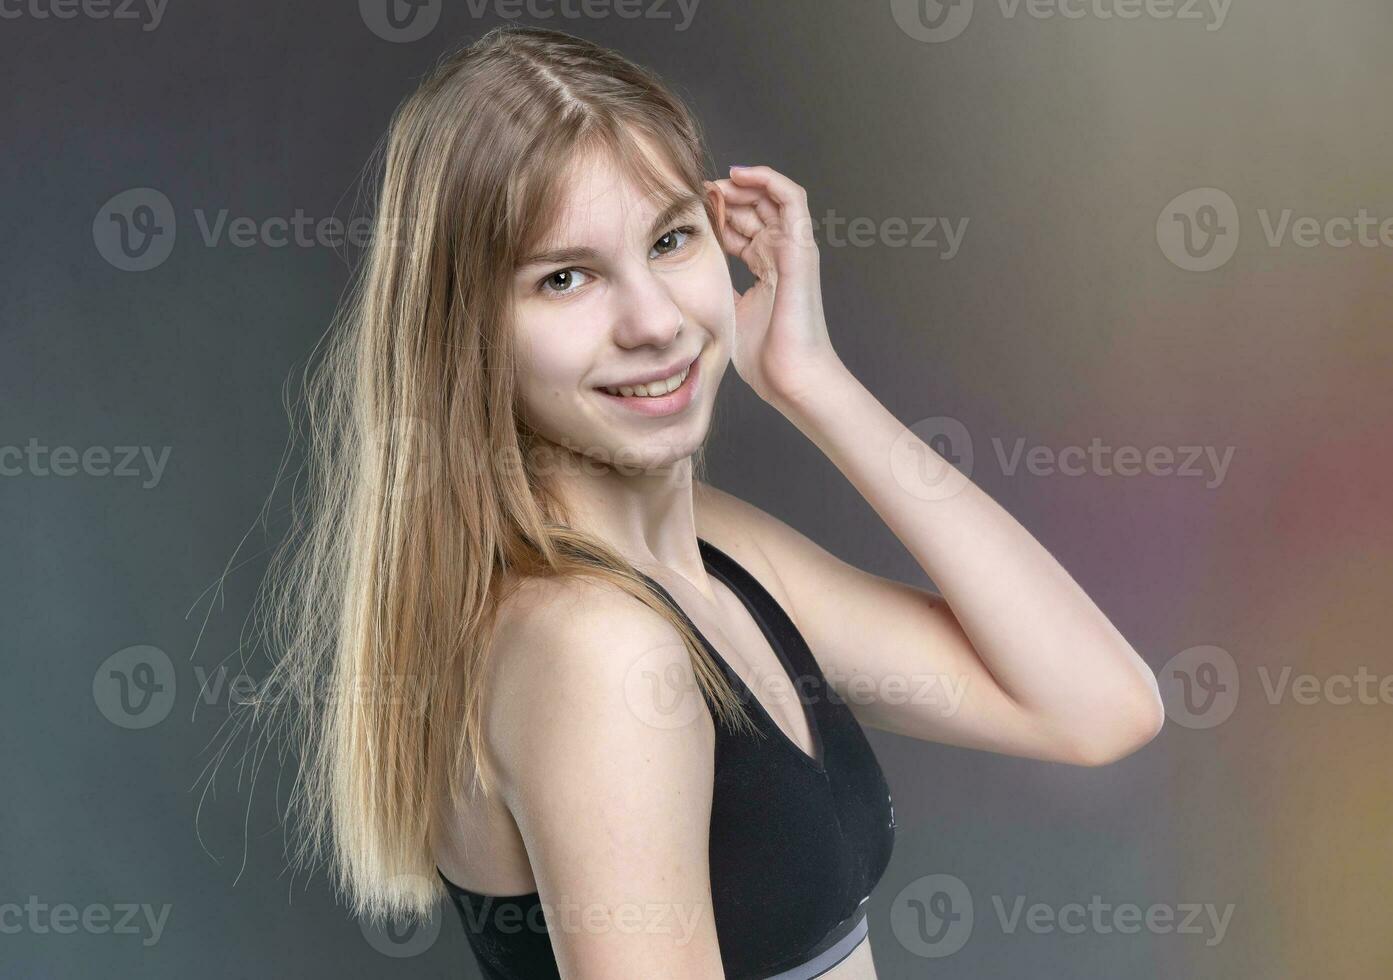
625 288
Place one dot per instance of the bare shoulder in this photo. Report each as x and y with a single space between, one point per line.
610 788
568 660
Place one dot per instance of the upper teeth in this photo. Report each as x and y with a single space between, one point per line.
653 388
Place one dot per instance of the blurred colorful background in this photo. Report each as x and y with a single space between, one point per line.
1144 274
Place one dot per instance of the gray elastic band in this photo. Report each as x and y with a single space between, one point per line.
855 927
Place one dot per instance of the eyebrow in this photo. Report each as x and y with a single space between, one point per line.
676 208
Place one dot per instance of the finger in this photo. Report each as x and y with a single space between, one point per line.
767 208
784 191
764 215
791 218
744 220
735 194
733 242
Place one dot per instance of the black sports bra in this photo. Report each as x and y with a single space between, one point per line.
797 841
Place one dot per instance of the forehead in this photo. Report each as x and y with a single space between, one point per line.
598 192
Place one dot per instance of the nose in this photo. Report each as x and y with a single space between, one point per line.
646 313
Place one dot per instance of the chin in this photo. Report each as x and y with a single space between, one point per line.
649 454
633 455
630 445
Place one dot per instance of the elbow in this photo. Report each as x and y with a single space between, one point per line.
1140 725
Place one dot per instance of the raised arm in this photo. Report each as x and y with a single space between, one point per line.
1041 670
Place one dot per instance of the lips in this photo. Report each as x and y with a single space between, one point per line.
660 374
670 403
653 389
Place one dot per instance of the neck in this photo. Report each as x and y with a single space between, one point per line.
648 516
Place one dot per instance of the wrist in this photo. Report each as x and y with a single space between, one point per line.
820 384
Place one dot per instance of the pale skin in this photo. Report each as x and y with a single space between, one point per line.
602 809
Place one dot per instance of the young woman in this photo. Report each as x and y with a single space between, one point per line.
613 713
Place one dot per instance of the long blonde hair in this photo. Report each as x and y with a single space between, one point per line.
422 480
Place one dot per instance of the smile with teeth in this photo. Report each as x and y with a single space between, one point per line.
652 389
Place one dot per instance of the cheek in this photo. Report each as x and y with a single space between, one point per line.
707 296
552 357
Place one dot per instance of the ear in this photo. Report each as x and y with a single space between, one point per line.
718 204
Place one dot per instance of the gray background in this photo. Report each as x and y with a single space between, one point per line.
1061 319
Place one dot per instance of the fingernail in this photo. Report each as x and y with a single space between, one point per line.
739 166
